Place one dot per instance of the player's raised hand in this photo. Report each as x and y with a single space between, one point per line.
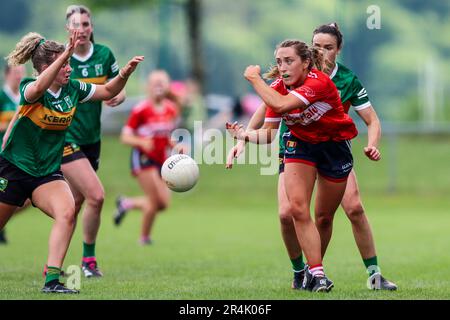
252 72
234 153
129 68
73 41
372 153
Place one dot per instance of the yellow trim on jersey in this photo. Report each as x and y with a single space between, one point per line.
98 80
6 116
45 118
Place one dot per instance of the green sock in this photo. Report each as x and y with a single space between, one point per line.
371 265
88 250
52 274
298 264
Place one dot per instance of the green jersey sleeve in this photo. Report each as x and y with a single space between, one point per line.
359 98
113 66
22 87
85 90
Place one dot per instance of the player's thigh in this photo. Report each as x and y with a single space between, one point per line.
299 179
54 198
328 196
6 211
82 177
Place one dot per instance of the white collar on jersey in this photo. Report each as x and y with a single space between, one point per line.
86 57
334 71
15 98
55 94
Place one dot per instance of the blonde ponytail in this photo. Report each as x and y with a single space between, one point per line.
34 46
24 49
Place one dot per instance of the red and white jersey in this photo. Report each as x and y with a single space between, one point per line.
323 119
157 123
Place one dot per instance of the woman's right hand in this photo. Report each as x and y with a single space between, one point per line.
73 42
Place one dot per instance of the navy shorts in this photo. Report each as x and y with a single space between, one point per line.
16 186
140 161
73 151
333 159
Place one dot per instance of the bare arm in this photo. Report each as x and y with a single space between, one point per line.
263 135
277 102
10 125
115 86
370 118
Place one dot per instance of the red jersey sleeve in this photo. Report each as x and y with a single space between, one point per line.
315 88
272 116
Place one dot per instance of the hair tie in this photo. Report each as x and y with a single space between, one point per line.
38 45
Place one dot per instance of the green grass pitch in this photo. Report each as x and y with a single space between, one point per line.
222 241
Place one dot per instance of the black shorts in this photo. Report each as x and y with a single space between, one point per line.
73 151
16 186
139 161
333 159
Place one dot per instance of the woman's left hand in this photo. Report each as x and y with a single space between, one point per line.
116 100
252 72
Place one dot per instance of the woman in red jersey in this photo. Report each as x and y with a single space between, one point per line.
148 131
308 101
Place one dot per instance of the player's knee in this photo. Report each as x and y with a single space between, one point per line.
355 212
96 198
162 205
285 215
324 221
300 212
66 216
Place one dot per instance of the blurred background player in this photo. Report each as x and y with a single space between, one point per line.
148 131
30 161
92 63
9 101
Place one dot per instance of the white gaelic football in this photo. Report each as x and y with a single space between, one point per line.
180 172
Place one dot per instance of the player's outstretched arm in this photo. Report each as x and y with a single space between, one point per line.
264 135
256 122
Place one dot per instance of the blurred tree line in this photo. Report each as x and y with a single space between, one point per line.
404 64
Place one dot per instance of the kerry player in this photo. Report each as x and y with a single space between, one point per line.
93 63
30 161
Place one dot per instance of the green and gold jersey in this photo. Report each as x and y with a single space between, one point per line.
350 90
97 67
8 105
36 142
